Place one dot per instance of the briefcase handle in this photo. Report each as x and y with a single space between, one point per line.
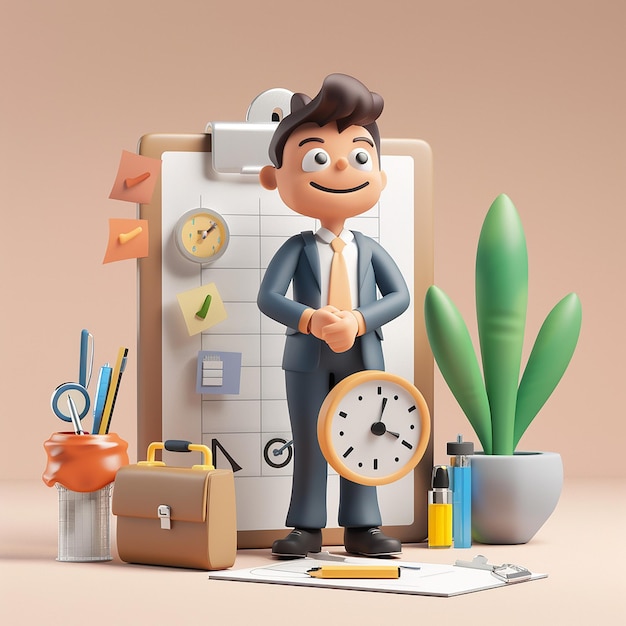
178 445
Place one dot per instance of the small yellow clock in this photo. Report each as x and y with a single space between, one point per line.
373 427
201 235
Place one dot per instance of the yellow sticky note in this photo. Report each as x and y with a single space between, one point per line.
128 239
192 301
136 178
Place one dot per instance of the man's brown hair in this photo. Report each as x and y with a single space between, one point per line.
342 99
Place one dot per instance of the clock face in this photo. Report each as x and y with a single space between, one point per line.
202 235
374 427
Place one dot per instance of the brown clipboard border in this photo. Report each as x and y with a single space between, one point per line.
149 372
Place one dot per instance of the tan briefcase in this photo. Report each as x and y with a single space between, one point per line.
183 517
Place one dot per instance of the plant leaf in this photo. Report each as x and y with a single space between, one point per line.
501 299
452 348
548 360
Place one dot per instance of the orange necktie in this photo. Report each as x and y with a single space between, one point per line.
339 283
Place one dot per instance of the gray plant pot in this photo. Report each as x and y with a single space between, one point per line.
513 496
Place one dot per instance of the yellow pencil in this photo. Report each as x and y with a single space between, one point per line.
355 571
109 405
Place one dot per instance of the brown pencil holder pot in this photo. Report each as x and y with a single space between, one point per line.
83 468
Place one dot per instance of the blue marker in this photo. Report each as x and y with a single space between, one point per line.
104 380
461 491
86 358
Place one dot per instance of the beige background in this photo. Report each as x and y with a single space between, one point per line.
522 98
583 586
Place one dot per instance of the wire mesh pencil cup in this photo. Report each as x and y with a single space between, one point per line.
84 524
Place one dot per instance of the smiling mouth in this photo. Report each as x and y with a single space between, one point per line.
329 190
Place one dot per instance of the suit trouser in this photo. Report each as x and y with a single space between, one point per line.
358 504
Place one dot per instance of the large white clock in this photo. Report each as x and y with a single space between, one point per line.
373 427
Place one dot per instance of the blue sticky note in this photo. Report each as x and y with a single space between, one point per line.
218 372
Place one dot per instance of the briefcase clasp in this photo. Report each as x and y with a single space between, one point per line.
163 512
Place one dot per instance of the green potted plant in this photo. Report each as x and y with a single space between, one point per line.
514 493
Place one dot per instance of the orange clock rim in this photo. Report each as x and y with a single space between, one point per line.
329 408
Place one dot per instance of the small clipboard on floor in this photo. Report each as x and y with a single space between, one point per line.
423 579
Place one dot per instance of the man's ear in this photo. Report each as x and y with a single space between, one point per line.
267 177
383 178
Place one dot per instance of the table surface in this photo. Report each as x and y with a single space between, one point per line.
580 547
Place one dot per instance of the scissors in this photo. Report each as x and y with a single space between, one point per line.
70 402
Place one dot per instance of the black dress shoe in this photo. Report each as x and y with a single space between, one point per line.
370 542
298 543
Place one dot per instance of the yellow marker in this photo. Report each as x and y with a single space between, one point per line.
355 571
440 509
114 387
124 237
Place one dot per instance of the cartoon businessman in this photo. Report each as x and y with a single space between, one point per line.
326 156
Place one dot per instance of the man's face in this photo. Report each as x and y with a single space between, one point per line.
329 175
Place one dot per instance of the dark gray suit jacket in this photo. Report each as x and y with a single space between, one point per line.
298 261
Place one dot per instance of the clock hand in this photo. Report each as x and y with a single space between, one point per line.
282 448
378 428
205 232
382 409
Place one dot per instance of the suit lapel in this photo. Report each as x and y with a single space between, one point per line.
312 255
365 257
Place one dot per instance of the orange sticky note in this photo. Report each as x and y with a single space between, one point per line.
128 239
136 178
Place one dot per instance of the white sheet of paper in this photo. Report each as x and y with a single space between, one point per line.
429 580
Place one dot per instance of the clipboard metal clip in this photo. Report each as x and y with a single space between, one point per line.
242 147
507 572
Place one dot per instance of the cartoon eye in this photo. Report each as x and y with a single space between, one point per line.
360 159
315 160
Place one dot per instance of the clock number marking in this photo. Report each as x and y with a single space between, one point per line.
406 444
411 409
348 452
343 414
